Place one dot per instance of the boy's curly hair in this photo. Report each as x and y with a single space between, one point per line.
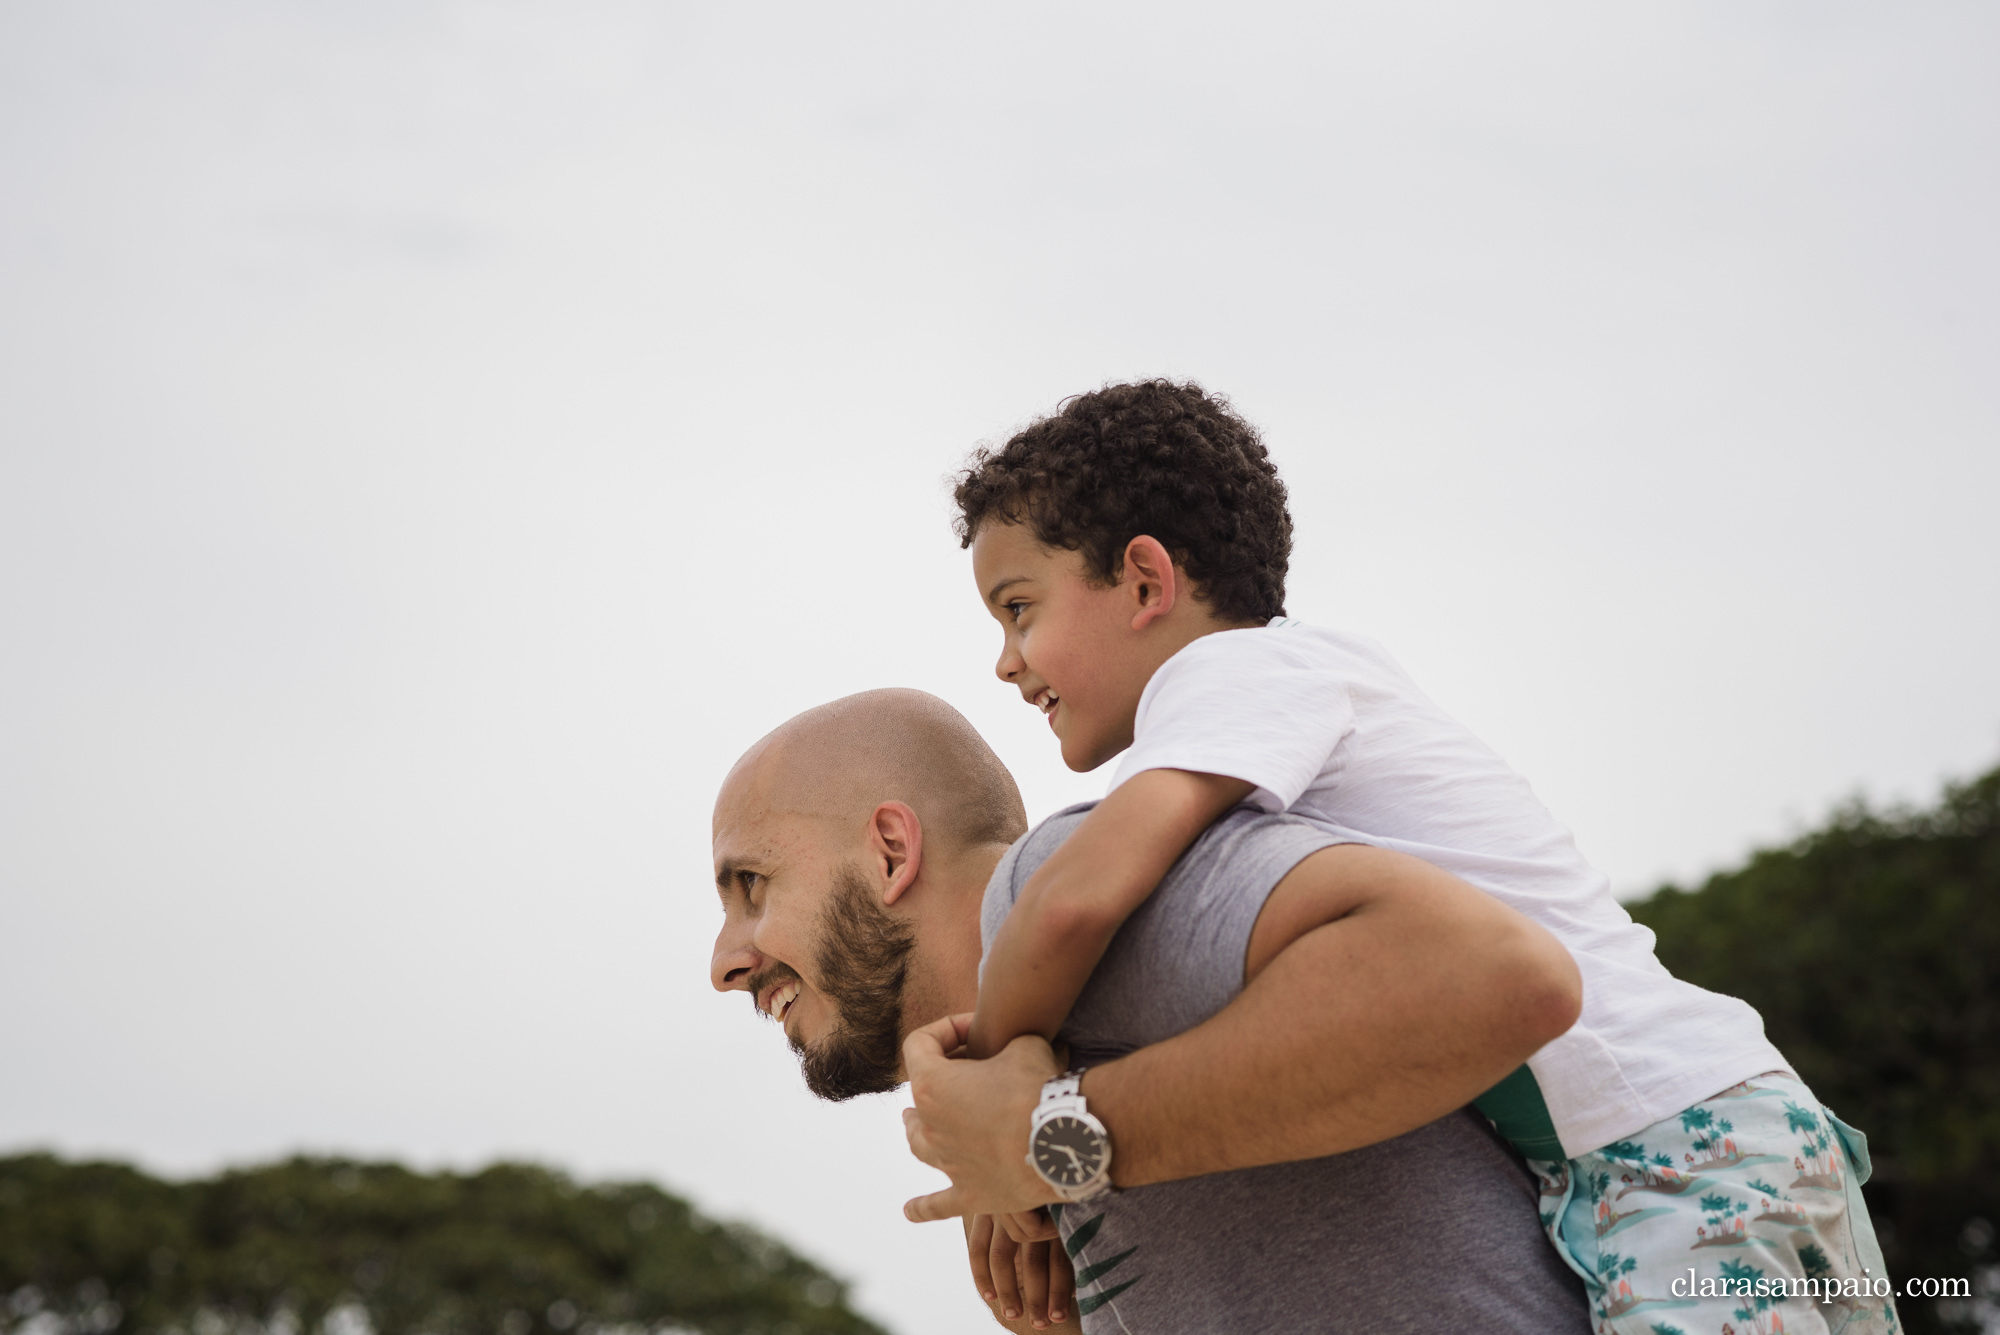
1153 457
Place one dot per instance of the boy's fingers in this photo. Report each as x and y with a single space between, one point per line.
1030 1226
1006 1280
1062 1282
979 1250
938 1205
1035 1282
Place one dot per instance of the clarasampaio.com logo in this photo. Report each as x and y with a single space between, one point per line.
1827 1288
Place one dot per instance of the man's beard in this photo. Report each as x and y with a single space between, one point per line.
863 963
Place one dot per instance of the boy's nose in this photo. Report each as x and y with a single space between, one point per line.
1010 665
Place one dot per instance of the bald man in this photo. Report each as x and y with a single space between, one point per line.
805 825
1282 999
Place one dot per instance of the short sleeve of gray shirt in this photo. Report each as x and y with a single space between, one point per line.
1437 1229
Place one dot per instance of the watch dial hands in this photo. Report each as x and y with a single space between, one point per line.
1074 1137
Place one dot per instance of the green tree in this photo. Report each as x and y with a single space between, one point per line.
1872 949
510 1250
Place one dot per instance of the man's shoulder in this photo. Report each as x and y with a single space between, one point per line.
1018 863
1233 829
1230 867
1034 848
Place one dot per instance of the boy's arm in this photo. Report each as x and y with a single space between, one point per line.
1071 907
1381 993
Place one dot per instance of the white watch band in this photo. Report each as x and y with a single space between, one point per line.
1068 1085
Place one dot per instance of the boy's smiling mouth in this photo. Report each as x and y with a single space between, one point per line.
1046 701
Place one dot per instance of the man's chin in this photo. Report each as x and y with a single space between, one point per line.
863 969
839 1068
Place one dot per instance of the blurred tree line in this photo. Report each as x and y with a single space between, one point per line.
347 1248
1872 947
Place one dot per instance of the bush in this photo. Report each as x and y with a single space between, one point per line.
349 1248
1871 948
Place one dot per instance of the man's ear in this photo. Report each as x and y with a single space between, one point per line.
1149 580
896 847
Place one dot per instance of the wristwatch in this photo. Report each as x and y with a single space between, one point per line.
1067 1147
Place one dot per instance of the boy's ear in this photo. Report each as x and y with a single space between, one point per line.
896 847
1149 580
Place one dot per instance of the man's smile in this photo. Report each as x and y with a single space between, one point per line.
777 1000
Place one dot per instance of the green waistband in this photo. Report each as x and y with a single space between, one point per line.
1519 1113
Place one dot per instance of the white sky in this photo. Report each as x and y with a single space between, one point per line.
435 439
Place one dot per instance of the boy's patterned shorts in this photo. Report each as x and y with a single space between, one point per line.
1718 1221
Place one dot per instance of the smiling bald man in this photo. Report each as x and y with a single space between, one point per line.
1284 999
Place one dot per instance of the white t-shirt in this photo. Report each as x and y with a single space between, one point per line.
1329 727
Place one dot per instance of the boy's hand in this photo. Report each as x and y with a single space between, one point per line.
970 1121
1021 1281
1032 1226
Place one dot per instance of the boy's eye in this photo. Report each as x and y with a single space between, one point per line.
1013 609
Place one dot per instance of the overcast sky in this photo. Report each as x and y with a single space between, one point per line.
435 439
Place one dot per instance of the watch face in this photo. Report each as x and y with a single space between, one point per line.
1069 1152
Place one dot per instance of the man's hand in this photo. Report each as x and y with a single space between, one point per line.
970 1122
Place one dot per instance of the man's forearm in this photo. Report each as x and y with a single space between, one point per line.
1348 1037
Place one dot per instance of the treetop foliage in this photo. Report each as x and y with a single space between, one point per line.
1871 946
352 1248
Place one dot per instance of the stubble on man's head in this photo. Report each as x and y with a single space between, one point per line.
835 763
825 771
864 964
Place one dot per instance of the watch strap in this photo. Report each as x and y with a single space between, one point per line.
1068 1085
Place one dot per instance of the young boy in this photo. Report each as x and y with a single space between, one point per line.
1133 548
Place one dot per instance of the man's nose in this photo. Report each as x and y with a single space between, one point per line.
735 960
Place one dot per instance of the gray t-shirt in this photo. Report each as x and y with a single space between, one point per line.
1434 1230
